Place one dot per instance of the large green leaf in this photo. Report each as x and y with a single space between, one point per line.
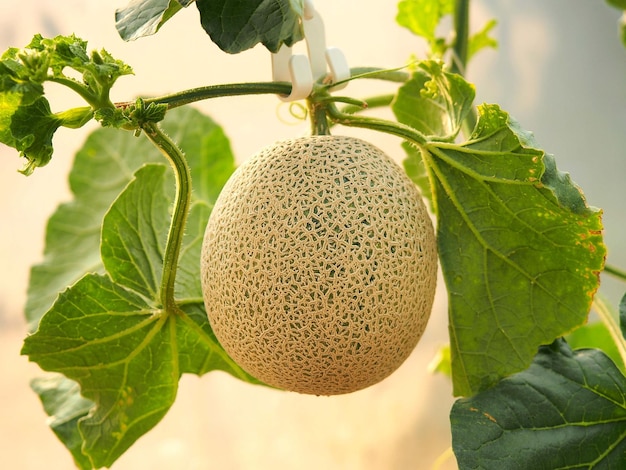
234 25
102 168
134 230
110 333
568 410
519 249
237 25
145 17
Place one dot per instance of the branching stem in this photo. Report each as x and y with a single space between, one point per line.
182 202
381 125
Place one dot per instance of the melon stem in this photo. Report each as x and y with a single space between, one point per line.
318 118
182 201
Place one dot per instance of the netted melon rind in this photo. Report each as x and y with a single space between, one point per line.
319 265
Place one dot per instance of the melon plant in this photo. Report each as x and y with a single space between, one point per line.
312 267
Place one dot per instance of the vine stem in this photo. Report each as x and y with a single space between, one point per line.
603 310
460 55
216 91
182 202
193 95
381 125
461 42
615 271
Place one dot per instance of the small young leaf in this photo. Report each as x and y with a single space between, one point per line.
481 39
441 363
28 128
236 25
434 102
26 121
145 17
519 248
568 410
422 17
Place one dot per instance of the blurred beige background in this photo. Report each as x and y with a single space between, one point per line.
554 54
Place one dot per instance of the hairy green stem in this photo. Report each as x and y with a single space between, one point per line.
379 101
84 92
396 75
259 88
461 28
615 271
381 125
603 310
182 201
318 118
460 54
216 91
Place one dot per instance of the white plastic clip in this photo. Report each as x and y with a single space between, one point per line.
301 70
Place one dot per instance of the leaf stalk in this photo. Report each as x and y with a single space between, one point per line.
376 124
615 271
182 202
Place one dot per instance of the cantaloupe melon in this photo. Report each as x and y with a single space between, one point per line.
319 265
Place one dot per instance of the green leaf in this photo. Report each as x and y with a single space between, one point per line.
621 4
596 335
415 169
28 128
237 25
520 250
434 102
120 350
145 17
134 231
62 401
26 121
422 17
566 411
481 40
111 335
441 363
102 168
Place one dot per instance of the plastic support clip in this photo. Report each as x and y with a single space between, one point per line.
320 63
